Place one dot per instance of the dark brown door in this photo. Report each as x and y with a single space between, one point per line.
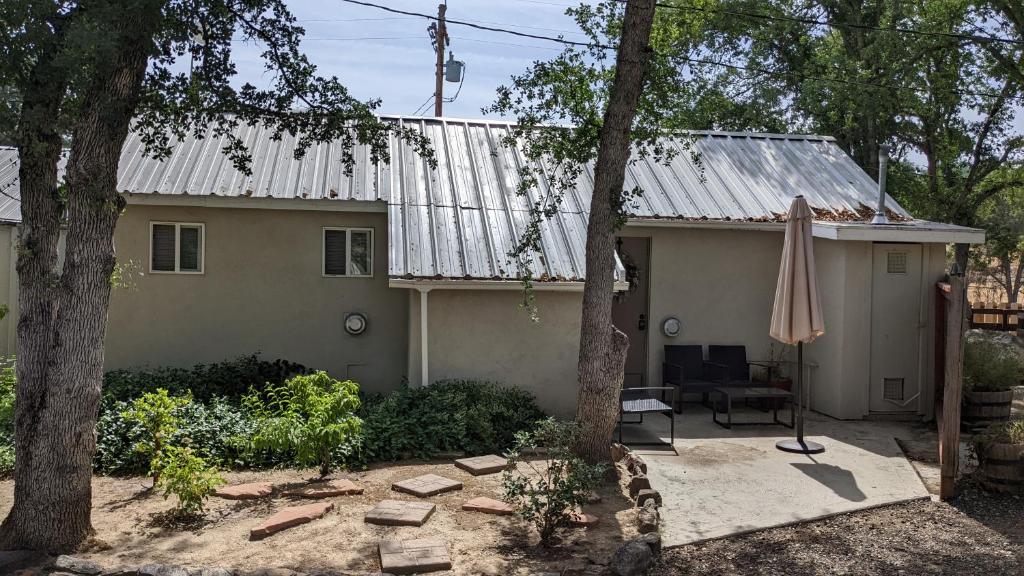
629 312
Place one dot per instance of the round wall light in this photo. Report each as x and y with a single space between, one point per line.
671 326
355 323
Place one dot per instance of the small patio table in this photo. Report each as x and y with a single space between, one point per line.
728 394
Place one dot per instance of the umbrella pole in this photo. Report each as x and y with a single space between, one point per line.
799 446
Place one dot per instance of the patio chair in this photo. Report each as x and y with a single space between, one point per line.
647 400
732 364
685 368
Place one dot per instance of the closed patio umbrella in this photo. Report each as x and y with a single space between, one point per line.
796 316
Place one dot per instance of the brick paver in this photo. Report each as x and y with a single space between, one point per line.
328 490
414 556
288 517
480 465
426 485
488 506
399 513
245 491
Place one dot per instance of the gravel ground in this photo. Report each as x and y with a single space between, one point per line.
977 534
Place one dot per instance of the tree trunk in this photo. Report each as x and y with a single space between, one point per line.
63 323
603 347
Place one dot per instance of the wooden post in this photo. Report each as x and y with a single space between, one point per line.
949 425
442 44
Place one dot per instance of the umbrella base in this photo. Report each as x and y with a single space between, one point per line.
800 446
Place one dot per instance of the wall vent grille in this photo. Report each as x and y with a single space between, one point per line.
893 389
896 263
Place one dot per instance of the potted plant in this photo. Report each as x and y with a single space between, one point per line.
991 371
1000 453
775 359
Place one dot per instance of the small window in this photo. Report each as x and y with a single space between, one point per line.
896 263
176 247
348 252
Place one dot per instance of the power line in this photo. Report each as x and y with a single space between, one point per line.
474 25
834 24
687 59
331 39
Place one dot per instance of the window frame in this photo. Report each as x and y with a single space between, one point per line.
177 247
348 251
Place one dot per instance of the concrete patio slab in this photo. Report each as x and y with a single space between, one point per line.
720 482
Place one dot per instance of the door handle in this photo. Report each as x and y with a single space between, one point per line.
642 324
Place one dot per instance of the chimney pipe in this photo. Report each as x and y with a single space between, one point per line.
883 163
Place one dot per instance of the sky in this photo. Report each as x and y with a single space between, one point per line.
377 54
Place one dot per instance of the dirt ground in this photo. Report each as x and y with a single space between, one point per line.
979 534
128 521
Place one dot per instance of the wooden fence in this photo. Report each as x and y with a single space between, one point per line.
996 316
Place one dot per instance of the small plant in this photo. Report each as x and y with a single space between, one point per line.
155 412
991 367
310 415
188 477
8 383
547 494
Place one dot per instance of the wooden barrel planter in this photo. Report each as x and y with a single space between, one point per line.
1001 468
982 409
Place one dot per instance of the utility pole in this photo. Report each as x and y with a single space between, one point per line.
442 43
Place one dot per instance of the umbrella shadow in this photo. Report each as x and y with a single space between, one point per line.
840 480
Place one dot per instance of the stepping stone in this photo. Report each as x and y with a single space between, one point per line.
288 517
413 556
582 520
426 485
399 513
245 491
329 490
480 465
489 506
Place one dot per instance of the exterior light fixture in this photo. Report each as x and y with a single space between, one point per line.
671 326
355 323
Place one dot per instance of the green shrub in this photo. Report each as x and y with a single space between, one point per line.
155 412
547 494
310 415
230 379
188 477
6 460
990 366
455 415
8 383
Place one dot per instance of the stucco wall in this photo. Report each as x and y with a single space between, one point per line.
483 334
719 283
262 290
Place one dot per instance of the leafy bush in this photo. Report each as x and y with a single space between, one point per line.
188 477
6 460
231 379
547 494
155 413
990 366
218 432
8 382
310 415
454 415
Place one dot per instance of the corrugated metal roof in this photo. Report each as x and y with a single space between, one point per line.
461 219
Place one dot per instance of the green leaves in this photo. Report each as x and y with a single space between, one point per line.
548 491
310 415
188 477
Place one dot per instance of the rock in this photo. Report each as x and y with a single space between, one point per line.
635 464
618 451
12 560
638 483
648 494
124 571
212 572
632 559
582 520
245 491
162 570
77 565
272 572
652 539
288 517
647 518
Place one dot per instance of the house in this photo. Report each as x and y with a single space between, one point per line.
401 272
